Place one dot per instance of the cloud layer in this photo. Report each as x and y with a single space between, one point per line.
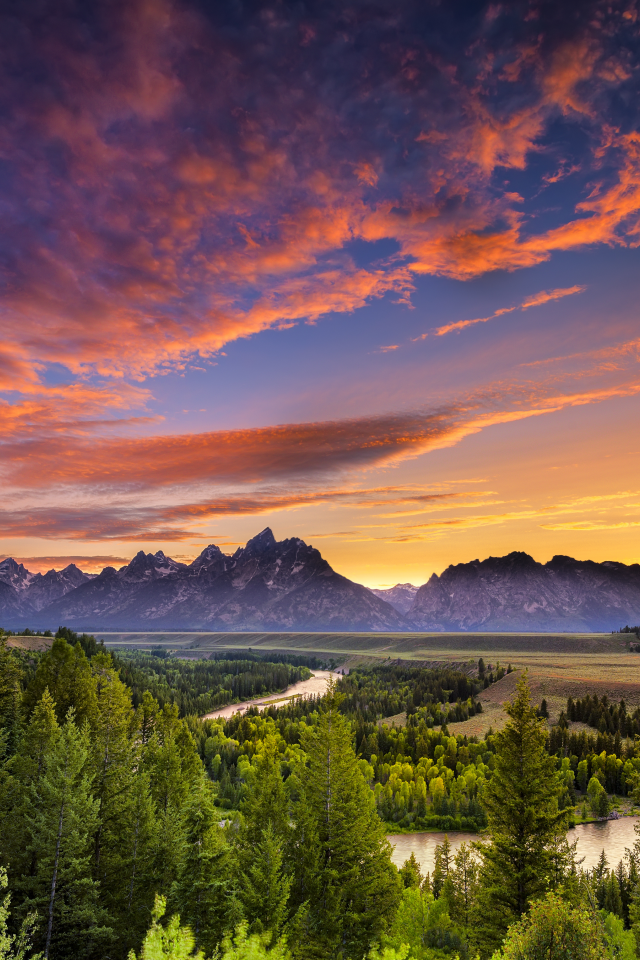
175 179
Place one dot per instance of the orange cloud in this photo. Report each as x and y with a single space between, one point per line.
159 238
89 564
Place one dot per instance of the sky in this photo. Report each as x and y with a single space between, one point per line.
363 272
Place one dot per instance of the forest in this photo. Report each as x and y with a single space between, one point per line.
130 828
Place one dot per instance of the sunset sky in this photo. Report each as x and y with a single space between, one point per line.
364 272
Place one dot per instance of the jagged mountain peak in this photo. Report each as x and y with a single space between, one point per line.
16 574
261 543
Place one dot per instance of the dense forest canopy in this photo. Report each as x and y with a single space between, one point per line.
130 826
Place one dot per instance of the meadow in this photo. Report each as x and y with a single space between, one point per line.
558 665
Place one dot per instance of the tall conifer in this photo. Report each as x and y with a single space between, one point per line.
356 889
202 892
61 826
523 817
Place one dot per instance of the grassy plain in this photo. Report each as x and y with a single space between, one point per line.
558 665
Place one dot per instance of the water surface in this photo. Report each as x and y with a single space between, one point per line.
317 684
612 836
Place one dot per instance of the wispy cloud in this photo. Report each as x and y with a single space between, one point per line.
536 300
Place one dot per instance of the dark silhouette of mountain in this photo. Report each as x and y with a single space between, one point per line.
514 593
289 586
266 585
400 597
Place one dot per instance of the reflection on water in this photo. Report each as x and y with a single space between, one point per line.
316 685
612 836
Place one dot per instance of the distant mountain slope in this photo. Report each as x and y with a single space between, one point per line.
516 593
266 585
400 597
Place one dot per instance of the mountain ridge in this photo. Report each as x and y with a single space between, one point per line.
267 584
288 585
517 593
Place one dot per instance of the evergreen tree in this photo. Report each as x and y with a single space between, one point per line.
26 770
265 886
130 846
61 825
202 892
461 888
266 802
113 761
355 889
523 817
10 698
410 873
442 862
264 881
65 671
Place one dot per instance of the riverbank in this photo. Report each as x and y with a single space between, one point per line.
612 836
316 685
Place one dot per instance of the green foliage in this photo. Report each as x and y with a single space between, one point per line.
60 825
598 800
410 873
176 942
554 930
344 872
172 942
620 942
423 925
523 818
14 947
199 686
109 797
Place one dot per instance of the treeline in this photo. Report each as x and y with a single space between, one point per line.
438 696
200 686
612 718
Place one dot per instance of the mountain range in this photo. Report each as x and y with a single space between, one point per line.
288 586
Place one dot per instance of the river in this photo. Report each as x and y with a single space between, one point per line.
612 836
317 684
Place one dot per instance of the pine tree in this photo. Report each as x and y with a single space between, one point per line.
65 671
356 889
442 862
265 886
203 890
113 763
129 854
462 885
266 802
10 698
26 770
264 881
61 826
523 817
410 873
